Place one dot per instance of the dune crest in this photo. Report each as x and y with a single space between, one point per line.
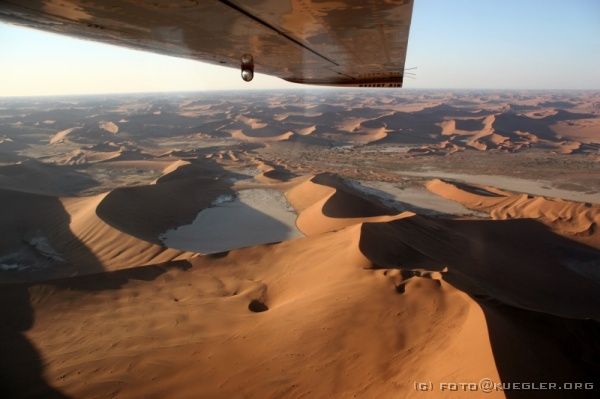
93 234
325 203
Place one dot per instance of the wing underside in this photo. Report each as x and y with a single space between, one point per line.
340 43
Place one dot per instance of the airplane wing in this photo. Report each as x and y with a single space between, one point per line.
328 42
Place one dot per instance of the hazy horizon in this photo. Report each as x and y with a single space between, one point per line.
308 90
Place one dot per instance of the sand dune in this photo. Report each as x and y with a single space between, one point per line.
386 302
306 294
575 220
195 185
129 155
106 146
94 233
109 126
365 136
305 131
87 156
82 157
476 253
272 172
351 124
448 127
468 126
430 290
61 136
324 203
253 123
240 135
569 147
72 228
373 287
585 130
111 230
173 166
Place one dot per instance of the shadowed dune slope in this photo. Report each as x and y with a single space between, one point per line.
41 178
517 262
171 203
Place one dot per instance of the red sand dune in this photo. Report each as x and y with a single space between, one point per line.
366 309
576 220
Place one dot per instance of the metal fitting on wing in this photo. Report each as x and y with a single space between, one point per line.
247 67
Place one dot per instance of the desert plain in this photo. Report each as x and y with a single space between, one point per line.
300 244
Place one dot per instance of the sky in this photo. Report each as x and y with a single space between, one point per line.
494 44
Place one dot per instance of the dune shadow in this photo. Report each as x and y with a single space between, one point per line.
114 280
540 301
43 218
280 173
33 175
535 347
348 202
21 366
29 215
39 225
474 189
174 200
